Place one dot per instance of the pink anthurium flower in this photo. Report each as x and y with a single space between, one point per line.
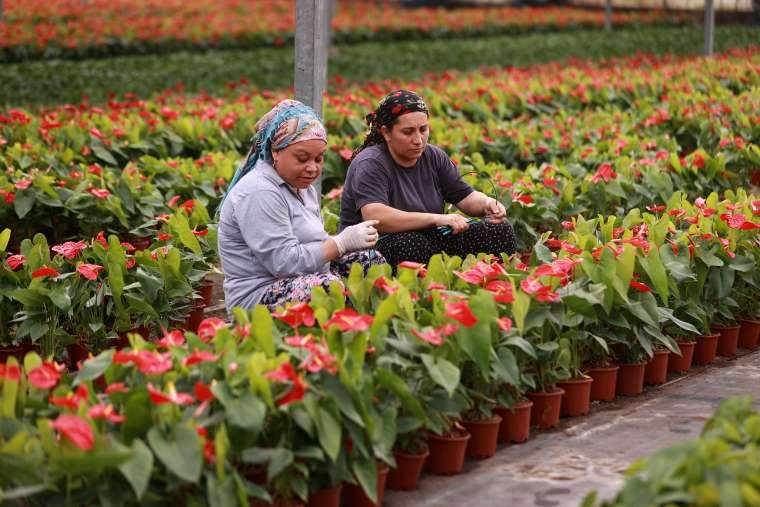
75 429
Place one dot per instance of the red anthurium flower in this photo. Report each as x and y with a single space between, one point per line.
100 193
70 249
14 261
677 212
547 295
460 311
45 271
732 206
699 202
200 233
153 363
302 342
410 265
436 286
505 324
432 336
604 172
568 225
199 356
175 338
691 219
641 287
746 226
101 238
160 397
173 201
89 271
335 192
116 387
11 372
188 206
531 285
70 400
382 283
318 360
502 291
350 321
297 315
553 244
286 373
203 391
471 276
656 209
75 429
345 153
23 184
162 236
570 248
45 376
103 411
209 327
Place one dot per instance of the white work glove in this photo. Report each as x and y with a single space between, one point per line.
357 237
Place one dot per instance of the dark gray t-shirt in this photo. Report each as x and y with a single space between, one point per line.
374 177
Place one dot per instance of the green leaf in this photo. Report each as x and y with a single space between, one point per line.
655 269
262 330
137 470
392 382
104 155
10 391
138 414
329 432
181 454
476 340
365 472
247 411
60 298
383 314
520 308
181 227
443 373
95 367
506 367
5 236
221 492
24 202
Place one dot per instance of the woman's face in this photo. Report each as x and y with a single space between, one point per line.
300 164
407 138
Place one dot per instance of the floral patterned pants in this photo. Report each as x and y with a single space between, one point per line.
298 288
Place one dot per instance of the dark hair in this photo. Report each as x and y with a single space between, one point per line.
387 113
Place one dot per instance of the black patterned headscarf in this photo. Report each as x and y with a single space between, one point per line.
390 108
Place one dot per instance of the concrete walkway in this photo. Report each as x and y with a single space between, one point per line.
559 467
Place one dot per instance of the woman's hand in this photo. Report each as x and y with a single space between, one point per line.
458 223
357 237
494 211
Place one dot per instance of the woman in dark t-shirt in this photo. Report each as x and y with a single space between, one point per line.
399 179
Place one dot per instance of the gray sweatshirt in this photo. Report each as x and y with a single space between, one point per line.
266 233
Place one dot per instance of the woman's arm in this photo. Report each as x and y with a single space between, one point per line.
394 220
478 204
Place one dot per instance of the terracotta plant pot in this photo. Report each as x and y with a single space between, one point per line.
277 503
656 371
605 383
630 380
353 494
485 437
18 352
78 353
728 341
408 469
706 348
515 422
577 397
195 318
446 453
682 363
326 497
546 407
749 333
206 290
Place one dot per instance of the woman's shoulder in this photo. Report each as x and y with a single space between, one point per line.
370 158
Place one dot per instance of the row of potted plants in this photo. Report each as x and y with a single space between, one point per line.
73 172
420 362
69 29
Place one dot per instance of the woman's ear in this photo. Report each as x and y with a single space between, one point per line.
386 133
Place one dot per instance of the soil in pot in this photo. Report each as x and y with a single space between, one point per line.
484 437
656 370
728 339
409 466
630 380
605 382
682 363
353 494
546 408
447 453
749 333
577 397
326 497
515 422
706 348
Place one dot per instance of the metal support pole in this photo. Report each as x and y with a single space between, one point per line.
310 73
608 15
709 26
